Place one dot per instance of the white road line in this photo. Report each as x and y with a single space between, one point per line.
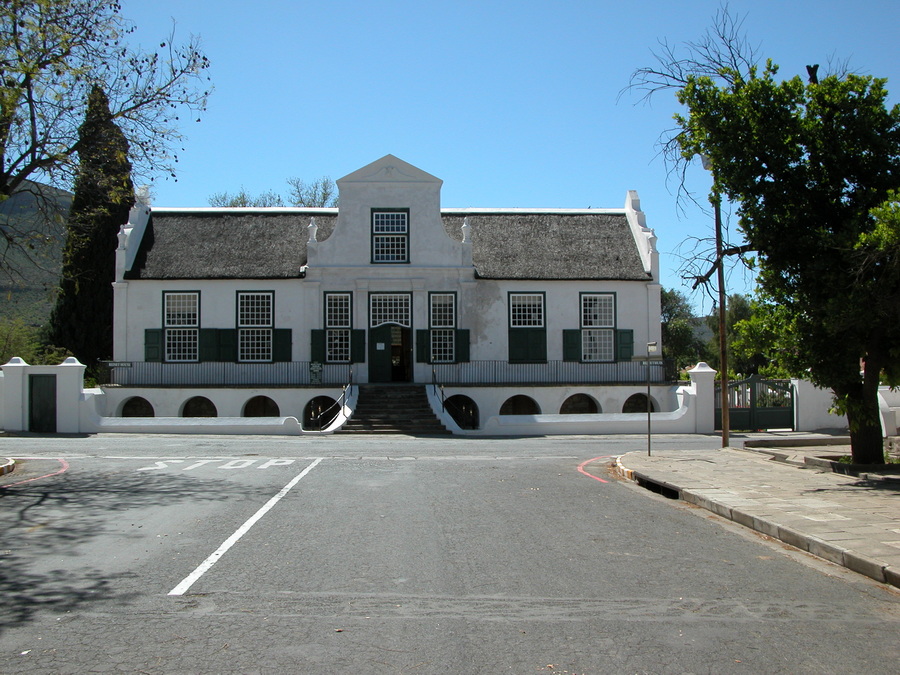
189 580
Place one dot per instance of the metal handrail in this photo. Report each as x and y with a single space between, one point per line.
317 420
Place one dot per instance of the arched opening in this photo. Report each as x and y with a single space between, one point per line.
320 412
463 410
579 404
137 406
520 405
261 406
637 403
199 406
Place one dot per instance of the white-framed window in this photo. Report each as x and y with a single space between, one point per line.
442 320
443 310
337 327
598 322
597 344
526 310
390 236
390 308
181 323
255 320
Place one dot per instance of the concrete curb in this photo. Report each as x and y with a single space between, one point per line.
848 558
7 466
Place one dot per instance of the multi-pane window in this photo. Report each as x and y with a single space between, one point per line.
442 320
181 321
390 236
389 308
255 326
526 310
598 320
337 327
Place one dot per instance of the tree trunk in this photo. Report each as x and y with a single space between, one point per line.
864 416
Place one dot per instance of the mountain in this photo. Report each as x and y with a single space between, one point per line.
33 225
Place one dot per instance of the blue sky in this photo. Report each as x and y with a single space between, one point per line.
512 104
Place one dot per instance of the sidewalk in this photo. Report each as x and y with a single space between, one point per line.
852 521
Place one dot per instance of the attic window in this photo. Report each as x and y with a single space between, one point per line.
390 236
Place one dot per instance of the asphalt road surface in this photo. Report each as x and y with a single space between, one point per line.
179 554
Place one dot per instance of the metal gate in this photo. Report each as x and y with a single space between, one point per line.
42 404
755 404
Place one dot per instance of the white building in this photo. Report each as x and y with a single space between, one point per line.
224 312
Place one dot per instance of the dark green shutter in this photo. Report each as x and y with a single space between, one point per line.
282 342
153 338
317 345
209 344
462 345
572 345
624 344
228 349
527 345
518 345
358 346
423 346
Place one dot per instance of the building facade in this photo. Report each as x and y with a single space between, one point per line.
274 308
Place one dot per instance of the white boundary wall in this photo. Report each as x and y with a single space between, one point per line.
689 408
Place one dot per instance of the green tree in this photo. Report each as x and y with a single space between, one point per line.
768 337
319 193
741 362
52 53
679 330
809 165
81 321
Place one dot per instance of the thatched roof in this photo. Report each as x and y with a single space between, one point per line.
228 243
548 244
271 243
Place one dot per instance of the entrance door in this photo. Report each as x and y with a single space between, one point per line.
42 403
390 354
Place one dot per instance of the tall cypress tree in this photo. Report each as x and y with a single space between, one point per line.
82 318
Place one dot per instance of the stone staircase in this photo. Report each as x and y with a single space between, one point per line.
393 409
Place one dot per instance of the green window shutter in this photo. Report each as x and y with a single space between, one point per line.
153 338
358 345
624 344
572 345
317 345
227 345
527 345
282 342
209 344
537 344
423 346
518 345
462 345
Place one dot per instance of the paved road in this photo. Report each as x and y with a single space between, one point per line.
400 555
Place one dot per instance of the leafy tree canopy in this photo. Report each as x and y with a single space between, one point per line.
812 167
52 52
679 330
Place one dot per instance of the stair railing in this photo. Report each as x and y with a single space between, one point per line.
342 399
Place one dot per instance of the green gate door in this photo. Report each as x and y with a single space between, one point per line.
42 403
756 403
390 354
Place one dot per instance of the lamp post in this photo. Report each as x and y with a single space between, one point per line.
716 200
651 349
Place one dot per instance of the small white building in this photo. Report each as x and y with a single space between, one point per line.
236 312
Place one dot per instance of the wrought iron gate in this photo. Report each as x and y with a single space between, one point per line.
755 404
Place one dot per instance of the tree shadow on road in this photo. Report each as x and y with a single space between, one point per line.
42 523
